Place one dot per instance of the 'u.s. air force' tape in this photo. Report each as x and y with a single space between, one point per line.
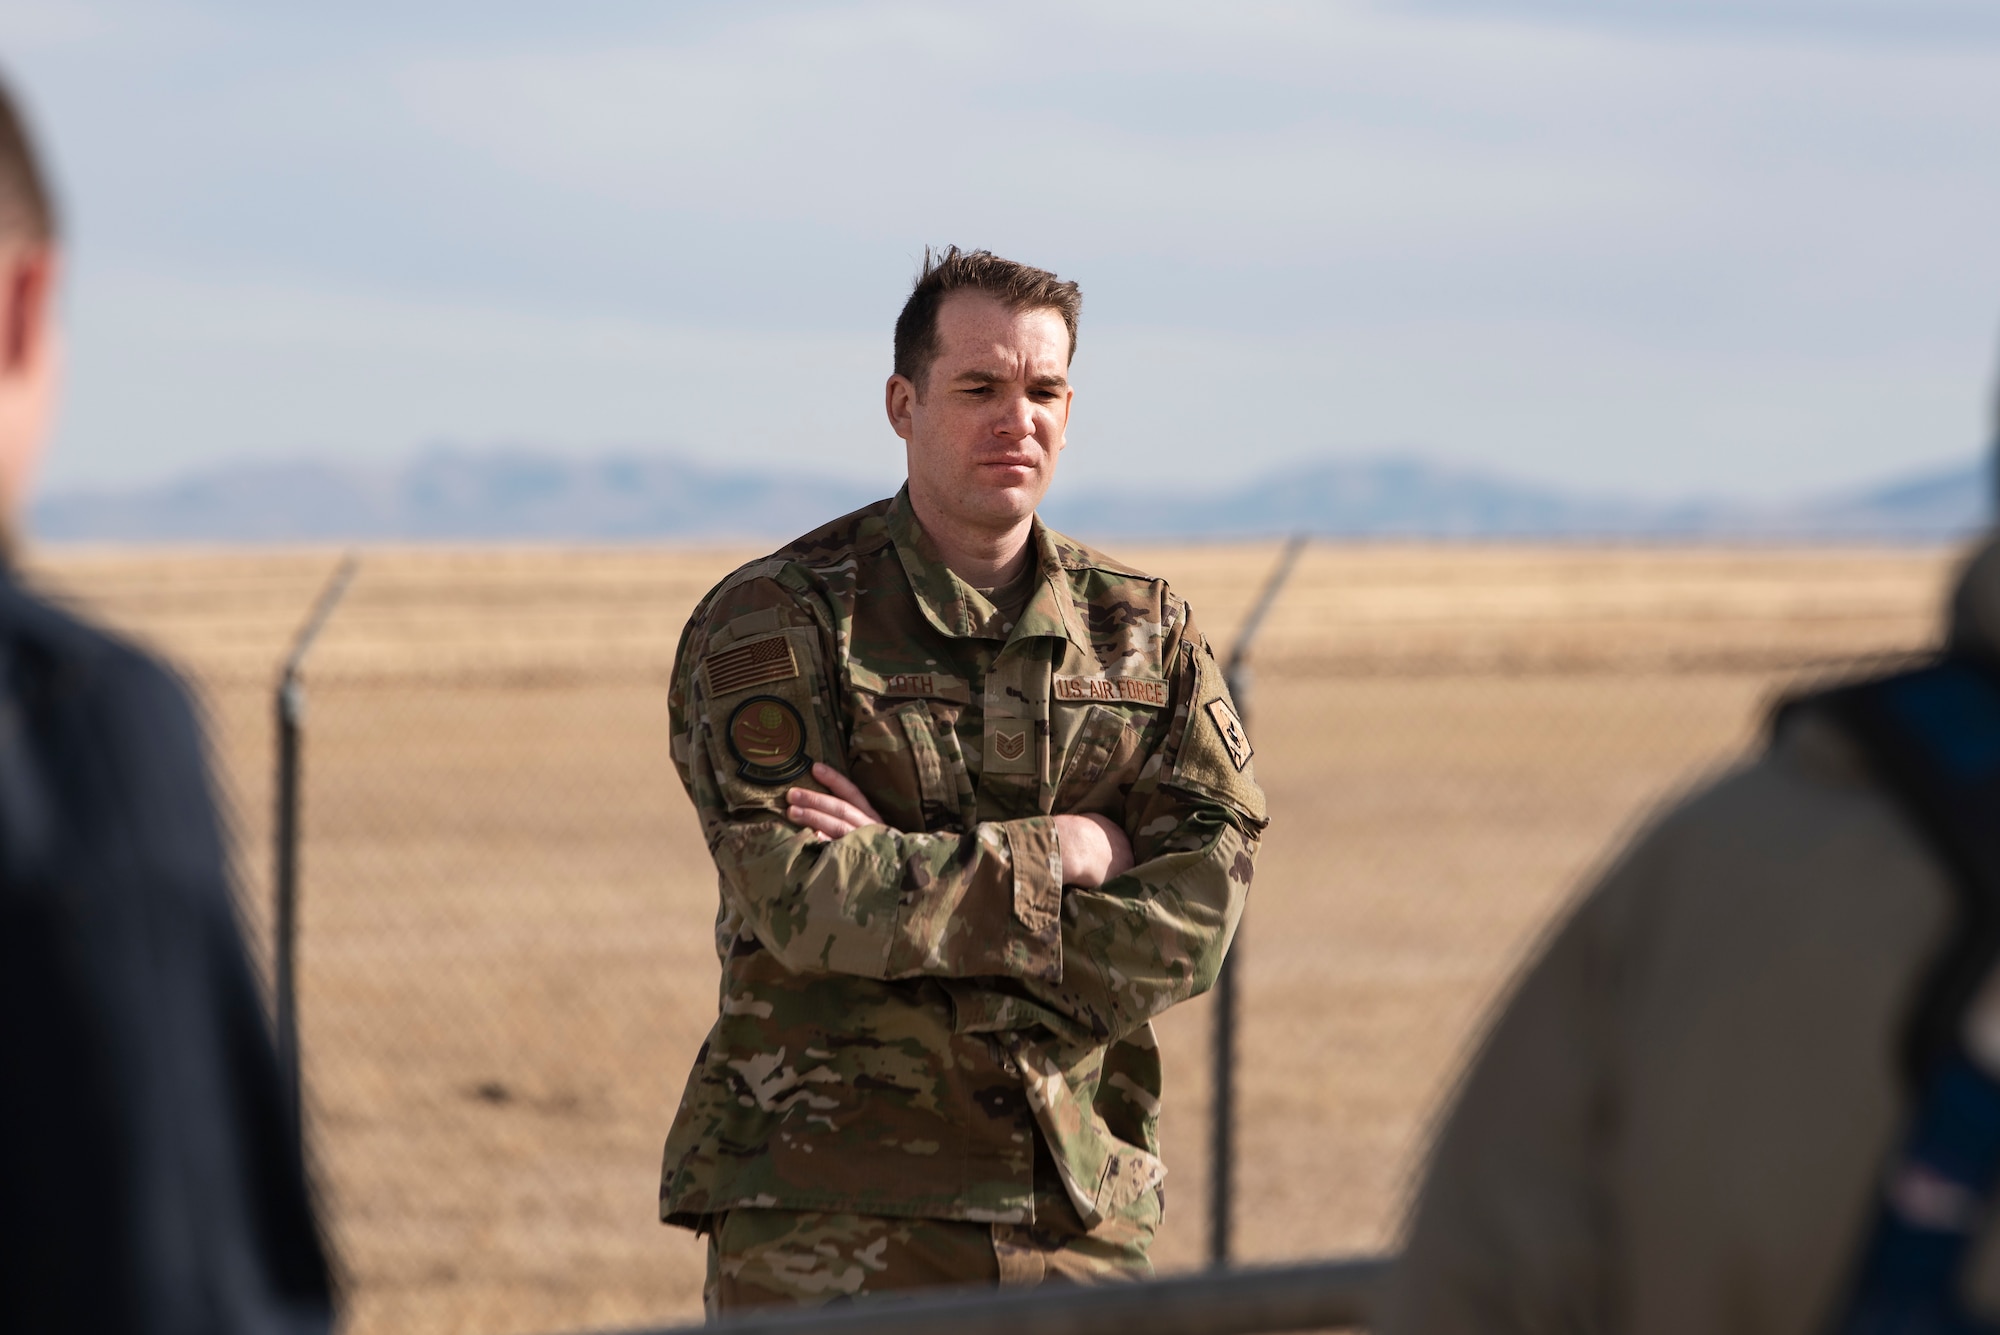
1113 690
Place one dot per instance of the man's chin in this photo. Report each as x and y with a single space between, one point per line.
979 504
1003 505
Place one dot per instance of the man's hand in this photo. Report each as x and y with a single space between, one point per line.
833 813
1094 850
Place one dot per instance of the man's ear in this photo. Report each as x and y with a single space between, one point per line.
899 398
27 288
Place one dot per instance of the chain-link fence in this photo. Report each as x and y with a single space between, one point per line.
505 957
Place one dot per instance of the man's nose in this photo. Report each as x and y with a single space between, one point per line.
1018 421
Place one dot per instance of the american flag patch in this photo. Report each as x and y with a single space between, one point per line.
750 664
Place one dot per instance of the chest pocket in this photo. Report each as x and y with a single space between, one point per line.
906 758
1101 759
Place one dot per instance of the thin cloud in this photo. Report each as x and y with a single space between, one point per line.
1631 250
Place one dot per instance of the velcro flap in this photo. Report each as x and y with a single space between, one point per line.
1214 754
1037 858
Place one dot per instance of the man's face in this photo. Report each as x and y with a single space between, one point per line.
983 434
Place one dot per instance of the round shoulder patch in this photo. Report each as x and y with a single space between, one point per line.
768 739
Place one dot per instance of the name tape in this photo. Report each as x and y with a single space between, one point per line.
935 685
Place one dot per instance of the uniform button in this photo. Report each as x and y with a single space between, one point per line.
1010 1068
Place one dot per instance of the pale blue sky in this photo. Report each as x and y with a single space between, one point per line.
1656 246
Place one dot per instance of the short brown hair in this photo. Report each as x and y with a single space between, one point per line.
27 208
953 270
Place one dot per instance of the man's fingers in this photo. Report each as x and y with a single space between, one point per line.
837 783
806 797
830 805
843 787
830 814
824 824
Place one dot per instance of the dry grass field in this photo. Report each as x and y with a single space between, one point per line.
506 960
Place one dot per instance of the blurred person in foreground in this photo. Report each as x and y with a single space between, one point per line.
1750 1085
148 1180
982 809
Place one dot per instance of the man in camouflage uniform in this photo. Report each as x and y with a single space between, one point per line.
981 808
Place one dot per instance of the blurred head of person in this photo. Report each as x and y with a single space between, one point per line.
1993 462
981 391
1975 619
28 346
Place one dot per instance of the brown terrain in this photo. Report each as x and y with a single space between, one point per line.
506 959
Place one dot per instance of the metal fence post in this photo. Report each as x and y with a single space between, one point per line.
291 711
1222 1118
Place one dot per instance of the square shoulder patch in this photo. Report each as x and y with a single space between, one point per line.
755 663
1230 729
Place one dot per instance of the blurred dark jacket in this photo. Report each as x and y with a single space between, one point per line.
147 1180
1681 1118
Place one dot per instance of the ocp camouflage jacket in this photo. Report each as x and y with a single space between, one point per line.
903 1007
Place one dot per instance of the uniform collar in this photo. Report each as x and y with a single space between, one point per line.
961 611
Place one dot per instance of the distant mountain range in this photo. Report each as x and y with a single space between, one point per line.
502 494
